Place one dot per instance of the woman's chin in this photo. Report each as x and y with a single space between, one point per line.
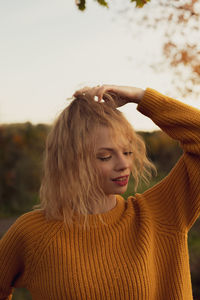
121 190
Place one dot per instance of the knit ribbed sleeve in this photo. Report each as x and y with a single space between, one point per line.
175 202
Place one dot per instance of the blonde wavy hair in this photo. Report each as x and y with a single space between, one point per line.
70 177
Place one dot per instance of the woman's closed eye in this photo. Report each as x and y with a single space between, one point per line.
128 153
105 158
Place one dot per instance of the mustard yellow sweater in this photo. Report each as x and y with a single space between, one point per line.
142 254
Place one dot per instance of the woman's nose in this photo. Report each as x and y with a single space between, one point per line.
122 163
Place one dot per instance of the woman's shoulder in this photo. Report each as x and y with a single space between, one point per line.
36 219
31 217
32 223
26 223
33 226
26 227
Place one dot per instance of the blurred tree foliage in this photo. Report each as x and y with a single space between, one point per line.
162 150
21 156
178 23
81 4
21 151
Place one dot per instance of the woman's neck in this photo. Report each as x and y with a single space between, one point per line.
110 204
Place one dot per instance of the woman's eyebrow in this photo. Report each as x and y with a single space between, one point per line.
111 149
106 148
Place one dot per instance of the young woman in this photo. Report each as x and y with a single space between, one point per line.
86 241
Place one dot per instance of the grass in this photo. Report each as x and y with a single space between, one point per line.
21 294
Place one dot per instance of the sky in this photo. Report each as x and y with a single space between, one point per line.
49 49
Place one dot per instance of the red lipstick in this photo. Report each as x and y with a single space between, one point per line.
122 180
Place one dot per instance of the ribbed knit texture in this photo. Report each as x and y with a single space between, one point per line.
141 254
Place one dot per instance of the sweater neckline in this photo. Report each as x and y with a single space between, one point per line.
110 217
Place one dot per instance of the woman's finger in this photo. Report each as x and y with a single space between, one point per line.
95 92
100 92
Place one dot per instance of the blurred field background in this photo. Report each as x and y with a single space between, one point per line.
21 157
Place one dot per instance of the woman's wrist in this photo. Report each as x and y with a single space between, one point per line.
141 94
138 95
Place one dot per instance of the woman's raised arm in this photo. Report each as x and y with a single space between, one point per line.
176 199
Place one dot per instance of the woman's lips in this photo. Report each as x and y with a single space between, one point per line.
121 181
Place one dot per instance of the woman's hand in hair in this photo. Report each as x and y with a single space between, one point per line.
122 94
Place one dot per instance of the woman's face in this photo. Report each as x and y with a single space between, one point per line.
113 162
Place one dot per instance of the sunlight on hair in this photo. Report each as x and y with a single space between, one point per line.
70 185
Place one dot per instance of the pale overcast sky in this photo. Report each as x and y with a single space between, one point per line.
48 49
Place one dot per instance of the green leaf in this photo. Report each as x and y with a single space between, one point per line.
81 4
102 2
140 3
